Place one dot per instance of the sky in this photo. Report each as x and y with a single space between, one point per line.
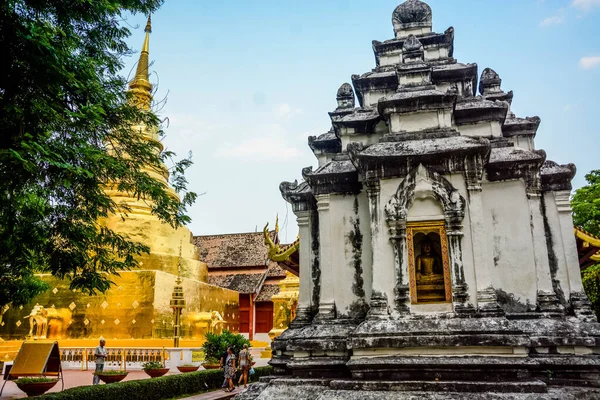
246 83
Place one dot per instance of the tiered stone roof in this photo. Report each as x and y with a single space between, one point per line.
416 72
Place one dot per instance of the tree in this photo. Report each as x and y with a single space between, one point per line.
586 214
65 135
586 204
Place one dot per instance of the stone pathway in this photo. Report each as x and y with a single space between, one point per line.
72 379
216 395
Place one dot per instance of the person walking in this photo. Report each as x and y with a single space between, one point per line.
245 362
222 366
229 369
100 355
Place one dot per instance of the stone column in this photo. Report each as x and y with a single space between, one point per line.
546 298
487 302
379 302
398 238
579 301
328 281
460 295
303 316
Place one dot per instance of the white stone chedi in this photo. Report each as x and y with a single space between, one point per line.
436 249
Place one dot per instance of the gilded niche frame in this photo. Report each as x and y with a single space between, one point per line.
426 227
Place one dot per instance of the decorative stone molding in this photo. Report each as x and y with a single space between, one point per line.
379 308
582 308
549 304
422 182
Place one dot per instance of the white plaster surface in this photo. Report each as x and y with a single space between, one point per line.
507 222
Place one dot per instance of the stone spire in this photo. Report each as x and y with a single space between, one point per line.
412 16
140 86
345 96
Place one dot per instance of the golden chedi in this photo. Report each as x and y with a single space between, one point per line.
138 305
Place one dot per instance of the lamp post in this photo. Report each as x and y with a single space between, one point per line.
177 304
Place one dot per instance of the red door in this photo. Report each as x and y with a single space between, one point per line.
245 313
264 317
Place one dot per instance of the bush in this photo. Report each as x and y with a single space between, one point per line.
591 285
216 345
152 365
165 387
26 381
111 372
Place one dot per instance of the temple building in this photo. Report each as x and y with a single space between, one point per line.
240 262
437 255
138 305
588 248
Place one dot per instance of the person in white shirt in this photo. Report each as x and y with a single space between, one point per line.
100 354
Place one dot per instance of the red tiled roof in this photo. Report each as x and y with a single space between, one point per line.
233 250
245 283
266 293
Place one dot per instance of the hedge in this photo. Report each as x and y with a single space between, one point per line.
165 387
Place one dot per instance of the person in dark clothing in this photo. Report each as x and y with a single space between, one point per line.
221 364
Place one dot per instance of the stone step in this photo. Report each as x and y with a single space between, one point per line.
531 386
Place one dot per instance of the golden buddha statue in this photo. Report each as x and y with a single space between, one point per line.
429 274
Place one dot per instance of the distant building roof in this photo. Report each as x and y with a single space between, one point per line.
236 250
267 292
245 283
588 248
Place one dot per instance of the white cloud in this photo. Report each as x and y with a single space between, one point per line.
585 5
589 62
271 146
286 111
556 20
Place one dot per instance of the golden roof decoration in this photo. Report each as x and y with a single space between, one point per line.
277 252
589 241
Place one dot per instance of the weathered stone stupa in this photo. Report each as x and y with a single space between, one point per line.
437 258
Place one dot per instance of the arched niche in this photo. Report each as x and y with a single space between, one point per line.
426 203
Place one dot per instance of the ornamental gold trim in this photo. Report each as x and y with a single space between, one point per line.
426 227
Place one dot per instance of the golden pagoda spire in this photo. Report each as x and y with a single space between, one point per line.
140 86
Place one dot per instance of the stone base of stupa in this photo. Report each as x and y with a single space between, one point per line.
418 357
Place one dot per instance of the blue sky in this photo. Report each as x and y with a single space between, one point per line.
248 81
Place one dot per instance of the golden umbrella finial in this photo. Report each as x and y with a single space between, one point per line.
140 86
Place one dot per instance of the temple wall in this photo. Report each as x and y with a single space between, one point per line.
136 307
556 249
350 239
483 129
468 241
506 214
422 120
367 140
385 249
371 97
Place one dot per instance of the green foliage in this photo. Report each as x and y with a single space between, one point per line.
66 136
165 387
152 365
216 345
111 372
586 204
591 285
27 381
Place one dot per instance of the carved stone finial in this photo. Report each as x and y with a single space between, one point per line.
345 96
412 50
489 82
411 14
412 44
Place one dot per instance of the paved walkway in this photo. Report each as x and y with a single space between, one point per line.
216 395
72 379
